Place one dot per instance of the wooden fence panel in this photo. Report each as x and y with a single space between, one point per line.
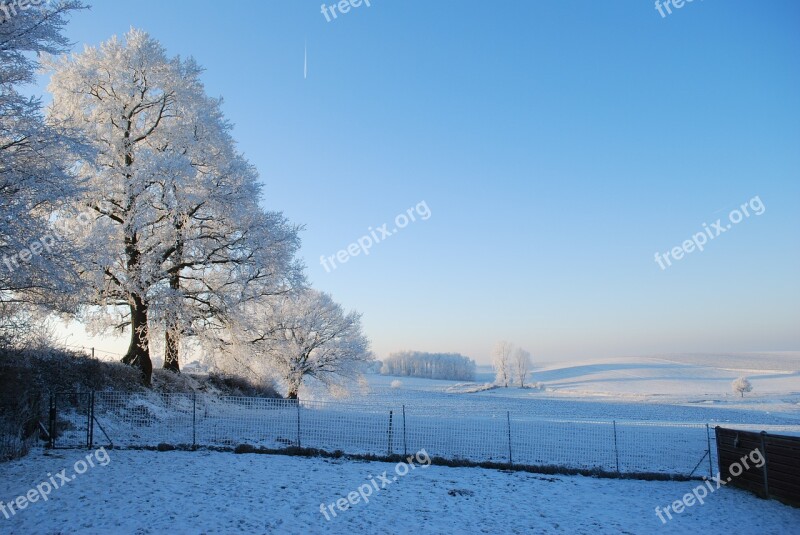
767 465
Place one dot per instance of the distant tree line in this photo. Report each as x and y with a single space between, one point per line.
448 366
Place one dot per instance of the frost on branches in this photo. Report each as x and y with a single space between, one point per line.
502 362
179 240
741 385
35 262
445 366
511 365
306 335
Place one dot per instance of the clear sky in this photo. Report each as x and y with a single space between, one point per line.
558 145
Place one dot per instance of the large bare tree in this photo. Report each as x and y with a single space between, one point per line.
180 238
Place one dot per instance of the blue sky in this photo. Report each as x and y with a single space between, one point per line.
559 145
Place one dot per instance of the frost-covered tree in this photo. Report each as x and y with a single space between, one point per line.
446 366
521 363
225 249
214 272
502 362
180 239
306 334
741 385
126 99
34 161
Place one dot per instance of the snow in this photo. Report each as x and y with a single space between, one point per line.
562 423
210 492
457 420
673 388
480 436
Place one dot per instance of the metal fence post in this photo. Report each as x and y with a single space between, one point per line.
90 427
405 443
616 447
766 462
389 449
194 420
52 423
508 421
298 422
710 463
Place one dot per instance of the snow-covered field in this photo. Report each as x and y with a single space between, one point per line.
674 388
211 492
473 422
377 429
205 492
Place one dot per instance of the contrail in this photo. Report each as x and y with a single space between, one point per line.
305 61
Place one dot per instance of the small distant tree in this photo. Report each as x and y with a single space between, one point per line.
502 362
741 385
521 362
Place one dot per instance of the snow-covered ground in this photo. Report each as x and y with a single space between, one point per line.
146 492
469 421
566 421
676 376
140 420
675 388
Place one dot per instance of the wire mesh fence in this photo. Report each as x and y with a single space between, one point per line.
199 420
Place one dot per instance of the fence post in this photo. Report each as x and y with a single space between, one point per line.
616 447
194 420
710 463
390 433
90 427
52 423
766 462
298 422
508 421
405 443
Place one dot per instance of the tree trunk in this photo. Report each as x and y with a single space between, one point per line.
172 336
138 354
294 387
171 341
